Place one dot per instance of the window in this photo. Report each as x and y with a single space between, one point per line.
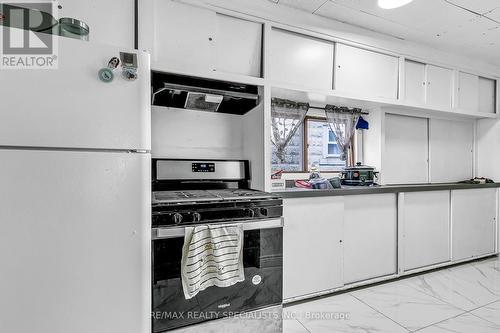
314 143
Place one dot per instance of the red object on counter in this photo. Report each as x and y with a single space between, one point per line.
277 174
302 184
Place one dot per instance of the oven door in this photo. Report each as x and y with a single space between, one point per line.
263 263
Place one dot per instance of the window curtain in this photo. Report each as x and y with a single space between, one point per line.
342 122
286 118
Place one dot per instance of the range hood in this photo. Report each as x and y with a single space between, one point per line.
194 93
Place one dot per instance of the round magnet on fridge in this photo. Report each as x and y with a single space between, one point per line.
106 74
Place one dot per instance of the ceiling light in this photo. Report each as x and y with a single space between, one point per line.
390 4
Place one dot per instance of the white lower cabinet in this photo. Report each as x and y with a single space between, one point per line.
370 236
312 249
425 228
473 217
335 242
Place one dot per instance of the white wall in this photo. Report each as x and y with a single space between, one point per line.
110 21
373 139
254 136
179 133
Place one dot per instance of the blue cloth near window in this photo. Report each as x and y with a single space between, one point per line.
362 123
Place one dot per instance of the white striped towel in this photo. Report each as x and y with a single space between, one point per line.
212 255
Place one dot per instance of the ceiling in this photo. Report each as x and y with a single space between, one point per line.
468 27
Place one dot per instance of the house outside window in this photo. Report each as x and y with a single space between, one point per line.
313 144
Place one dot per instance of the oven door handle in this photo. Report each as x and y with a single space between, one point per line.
176 232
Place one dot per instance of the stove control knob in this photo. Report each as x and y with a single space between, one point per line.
196 217
264 212
177 218
249 212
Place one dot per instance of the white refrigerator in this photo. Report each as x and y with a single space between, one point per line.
75 194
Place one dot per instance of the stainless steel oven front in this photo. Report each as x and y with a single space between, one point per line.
263 265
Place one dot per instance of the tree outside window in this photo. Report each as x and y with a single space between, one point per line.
313 144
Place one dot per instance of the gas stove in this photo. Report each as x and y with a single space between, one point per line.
199 192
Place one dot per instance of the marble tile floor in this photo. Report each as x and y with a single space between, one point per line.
459 299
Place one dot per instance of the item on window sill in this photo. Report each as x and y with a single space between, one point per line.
320 184
314 172
362 124
359 174
335 182
302 184
277 174
477 180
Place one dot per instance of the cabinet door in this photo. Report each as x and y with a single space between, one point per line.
406 154
451 150
312 249
238 46
487 95
301 60
473 216
370 234
366 73
183 37
425 224
414 82
439 86
468 92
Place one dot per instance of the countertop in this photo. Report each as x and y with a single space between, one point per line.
377 189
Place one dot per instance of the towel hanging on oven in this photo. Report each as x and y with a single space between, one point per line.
212 255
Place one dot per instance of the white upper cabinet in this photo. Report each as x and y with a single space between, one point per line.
487 95
439 87
183 38
433 86
415 83
366 73
406 153
238 46
468 92
301 60
195 40
451 150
